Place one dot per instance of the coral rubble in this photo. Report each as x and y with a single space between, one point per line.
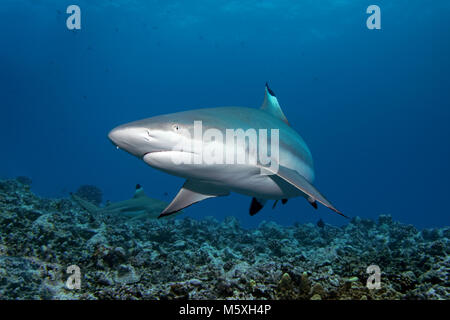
122 258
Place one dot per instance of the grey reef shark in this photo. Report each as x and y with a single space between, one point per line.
172 143
139 206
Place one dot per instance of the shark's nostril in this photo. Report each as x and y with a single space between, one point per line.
149 135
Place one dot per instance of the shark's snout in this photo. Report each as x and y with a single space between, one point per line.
114 135
131 139
120 137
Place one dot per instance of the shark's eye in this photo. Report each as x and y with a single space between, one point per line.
175 127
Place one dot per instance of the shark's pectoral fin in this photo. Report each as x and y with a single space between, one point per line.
192 191
256 205
298 181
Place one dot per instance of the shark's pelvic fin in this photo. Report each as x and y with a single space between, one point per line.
283 201
272 106
274 204
256 205
298 181
192 192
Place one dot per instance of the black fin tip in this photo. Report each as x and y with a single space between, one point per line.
270 90
255 207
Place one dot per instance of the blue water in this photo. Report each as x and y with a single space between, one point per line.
373 105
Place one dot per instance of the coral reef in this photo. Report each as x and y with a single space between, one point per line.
121 258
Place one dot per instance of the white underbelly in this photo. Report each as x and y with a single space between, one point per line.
244 179
264 186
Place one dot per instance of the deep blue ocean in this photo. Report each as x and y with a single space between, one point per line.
372 105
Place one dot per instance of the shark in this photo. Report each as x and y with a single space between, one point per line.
157 141
140 205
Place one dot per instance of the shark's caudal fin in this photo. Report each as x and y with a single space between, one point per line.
86 205
298 181
272 106
192 192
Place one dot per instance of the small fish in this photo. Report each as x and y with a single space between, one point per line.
321 224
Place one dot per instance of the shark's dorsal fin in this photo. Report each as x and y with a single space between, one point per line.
139 192
272 106
192 192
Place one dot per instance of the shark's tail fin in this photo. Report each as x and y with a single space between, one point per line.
88 206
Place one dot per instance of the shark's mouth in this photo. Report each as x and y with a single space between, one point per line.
150 152
173 154
162 151
169 159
